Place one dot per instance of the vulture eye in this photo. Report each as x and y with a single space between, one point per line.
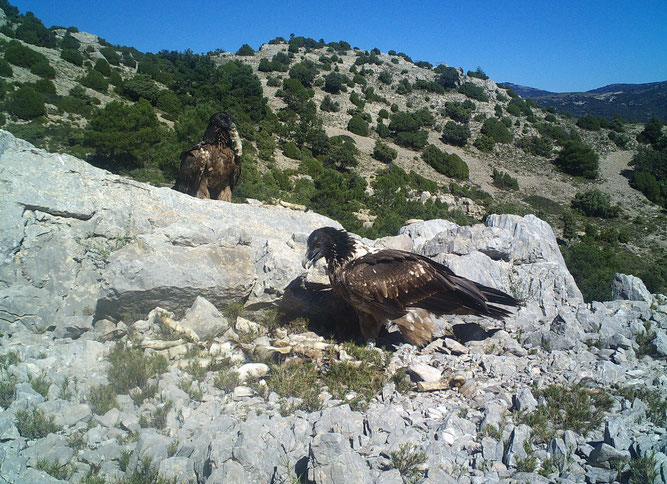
318 243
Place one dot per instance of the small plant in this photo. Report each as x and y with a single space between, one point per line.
131 368
407 461
234 310
547 467
578 408
643 470
504 180
654 400
124 459
54 469
34 424
40 384
493 432
296 379
227 379
102 398
526 464
157 418
402 381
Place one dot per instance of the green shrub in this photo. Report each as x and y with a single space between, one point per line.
95 80
26 103
32 31
459 112
246 51
478 73
103 67
589 123
383 152
494 128
111 55
448 77
131 369
334 82
448 164
69 42
473 91
357 125
651 134
72 56
291 150
305 71
141 86
537 145
6 69
578 159
621 140
44 86
594 203
385 77
19 55
329 105
169 102
455 134
34 424
102 398
504 180
415 140
43 69
484 143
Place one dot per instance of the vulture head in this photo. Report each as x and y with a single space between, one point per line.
329 243
221 128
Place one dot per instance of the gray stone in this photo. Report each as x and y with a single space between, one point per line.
151 445
178 469
423 372
616 433
515 445
660 342
524 401
204 319
332 461
603 453
597 475
53 448
627 287
559 452
231 471
492 449
65 413
252 371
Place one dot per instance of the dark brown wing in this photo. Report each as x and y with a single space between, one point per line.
191 170
393 280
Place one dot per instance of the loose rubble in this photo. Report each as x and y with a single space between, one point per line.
95 266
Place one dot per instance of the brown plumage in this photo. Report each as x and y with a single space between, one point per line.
397 286
212 168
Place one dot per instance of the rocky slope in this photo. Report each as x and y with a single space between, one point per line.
96 268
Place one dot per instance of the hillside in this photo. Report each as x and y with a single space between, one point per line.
149 337
368 138
634 102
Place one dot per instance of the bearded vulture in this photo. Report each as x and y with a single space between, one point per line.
396 286
211 168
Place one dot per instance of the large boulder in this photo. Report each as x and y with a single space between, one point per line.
78 244
630 288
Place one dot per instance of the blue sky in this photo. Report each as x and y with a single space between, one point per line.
554 45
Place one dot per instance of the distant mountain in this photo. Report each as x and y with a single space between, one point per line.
525 91
635 102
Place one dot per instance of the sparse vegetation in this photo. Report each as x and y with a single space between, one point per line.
577 408
102 398
131 370
34 424
408 460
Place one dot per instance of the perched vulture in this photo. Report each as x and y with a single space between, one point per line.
211 168
385 286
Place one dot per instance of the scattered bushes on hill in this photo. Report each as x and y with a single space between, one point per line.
334 82
32 31
305 71
594 203
103 67
5 69
95 80
589 123
460 112
651 134
448 164
22 56
578 159
649 175
495 129
358 125
169 102
111 55
504 180
141 86
279 62
383 152
448 77
292 151
455 134
26 103
484 143
329 105
43 69
406 129
478 73
72 56
246 51
69 42
536 145
473 91
385 77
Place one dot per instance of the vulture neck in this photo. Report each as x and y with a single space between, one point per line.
345 250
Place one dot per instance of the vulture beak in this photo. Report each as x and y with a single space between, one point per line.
313 254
